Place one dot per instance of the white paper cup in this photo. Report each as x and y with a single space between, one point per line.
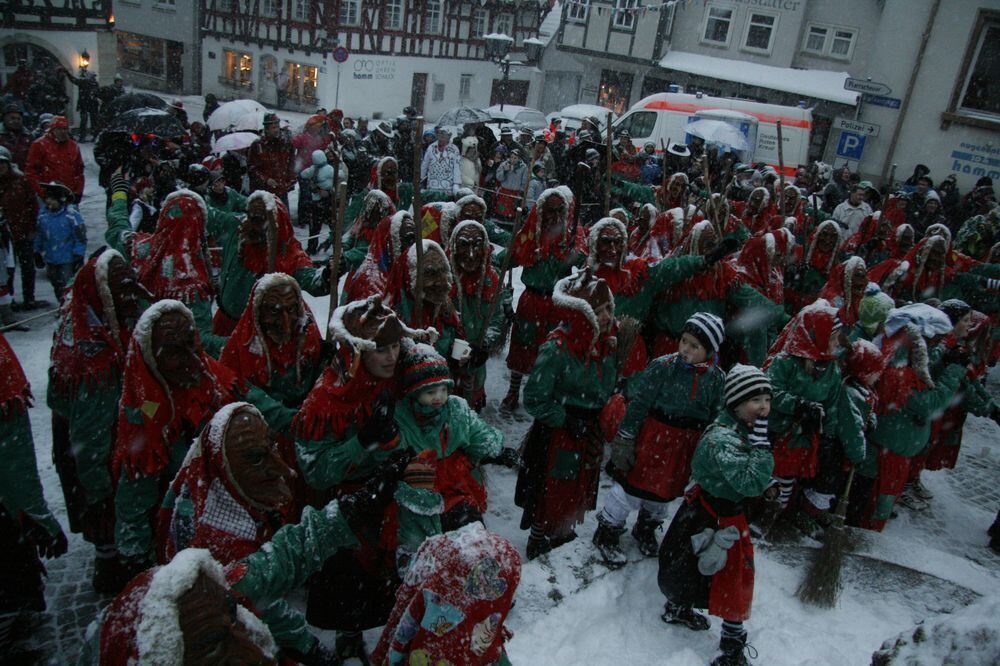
461 350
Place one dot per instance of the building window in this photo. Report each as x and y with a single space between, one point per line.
504 24
718 21
145 55
393 14
480 19
624 18
465 87
237 68
760 32
432 16
225 6
166 4
301 9
302 80
615 90
977 96
437 94
269 7
578 10
830 41
350 12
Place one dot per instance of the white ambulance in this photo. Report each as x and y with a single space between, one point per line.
663 117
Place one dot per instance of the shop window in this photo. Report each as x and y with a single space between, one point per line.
393 14
145 55
578 11
976 97
615 90
718 21
237 69
302 82
761 28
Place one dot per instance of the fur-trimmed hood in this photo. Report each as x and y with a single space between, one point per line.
595 233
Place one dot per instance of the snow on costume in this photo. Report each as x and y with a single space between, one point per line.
471 295
809 408
400 295
706 557
757 219
667 232
845 288
343 432
453 602
454 433
172 262
156 423
804 282
243 263
545 260
27 526
375 205
872 241
574 376
275 378
712 290
908 399
85 384
386 246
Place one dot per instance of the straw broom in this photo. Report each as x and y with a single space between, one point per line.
822 583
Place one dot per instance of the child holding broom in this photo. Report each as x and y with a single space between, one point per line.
706 558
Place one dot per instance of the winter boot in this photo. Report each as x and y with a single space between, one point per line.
351 645
606 538
644 532
910 499
540 543
994 534
109 575
8 321
513 397
921 491
689 617
732 648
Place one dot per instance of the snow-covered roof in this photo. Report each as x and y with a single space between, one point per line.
817 83
550 24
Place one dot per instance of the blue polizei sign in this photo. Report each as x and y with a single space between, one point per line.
851 145
881 100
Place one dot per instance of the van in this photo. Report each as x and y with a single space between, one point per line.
663 116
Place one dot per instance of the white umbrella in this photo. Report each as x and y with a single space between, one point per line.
253 122
234 141
227 114
716 131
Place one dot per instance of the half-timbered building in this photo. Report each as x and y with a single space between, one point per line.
426 53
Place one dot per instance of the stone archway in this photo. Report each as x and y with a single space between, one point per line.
50 92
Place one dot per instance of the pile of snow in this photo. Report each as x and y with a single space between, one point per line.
970 636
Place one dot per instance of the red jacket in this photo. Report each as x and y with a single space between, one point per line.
19 205
18 145
48 161
271 158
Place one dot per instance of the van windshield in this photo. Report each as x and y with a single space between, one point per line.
639 124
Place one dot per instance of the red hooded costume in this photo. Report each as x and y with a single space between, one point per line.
386 245
841 291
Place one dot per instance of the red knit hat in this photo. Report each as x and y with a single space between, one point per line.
423 368
59 122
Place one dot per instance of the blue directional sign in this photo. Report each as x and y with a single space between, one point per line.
881 100
851 145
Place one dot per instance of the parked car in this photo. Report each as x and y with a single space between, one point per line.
517 116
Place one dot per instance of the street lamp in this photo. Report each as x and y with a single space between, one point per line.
84 60
497 49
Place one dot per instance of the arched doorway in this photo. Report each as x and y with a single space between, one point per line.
39 87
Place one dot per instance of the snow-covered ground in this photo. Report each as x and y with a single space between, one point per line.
572 610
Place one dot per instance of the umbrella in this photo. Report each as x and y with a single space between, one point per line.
224 117
716 131
462 115
146 121
129 101
234 141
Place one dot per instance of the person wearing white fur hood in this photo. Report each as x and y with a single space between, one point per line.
471 166
195 611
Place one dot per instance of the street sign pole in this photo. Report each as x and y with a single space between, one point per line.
340 56
336 103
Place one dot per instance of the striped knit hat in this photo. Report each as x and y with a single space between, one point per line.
708 328
744 382
423 368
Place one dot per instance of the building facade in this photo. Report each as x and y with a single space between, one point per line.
426 53
48 34
801 52
158 44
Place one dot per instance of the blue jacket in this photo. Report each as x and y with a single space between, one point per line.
62 235
320 174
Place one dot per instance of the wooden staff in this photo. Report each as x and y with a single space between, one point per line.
338 244
607 173
709 204
14 324
418 289
781 175
272 241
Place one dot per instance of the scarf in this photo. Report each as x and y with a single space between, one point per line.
89 343
173 261
341 399
253 357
